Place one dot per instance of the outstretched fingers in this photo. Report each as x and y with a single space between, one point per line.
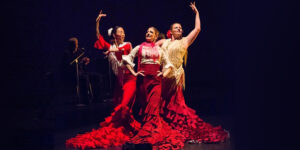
106 52
193 6
100 15
159 73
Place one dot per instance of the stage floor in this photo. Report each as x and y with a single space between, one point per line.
48 127
60 138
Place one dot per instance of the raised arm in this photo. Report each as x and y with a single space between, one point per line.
100 43
194 33
97 22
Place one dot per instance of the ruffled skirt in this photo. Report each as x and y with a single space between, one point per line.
185 120
154 130
116 130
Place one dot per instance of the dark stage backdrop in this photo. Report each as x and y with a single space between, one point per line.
42 29
238 66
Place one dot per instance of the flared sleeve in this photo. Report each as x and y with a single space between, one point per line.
128 59
115 64
101 43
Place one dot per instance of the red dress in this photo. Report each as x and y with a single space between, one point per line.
120 126
154 130
175 111
184 119
126 81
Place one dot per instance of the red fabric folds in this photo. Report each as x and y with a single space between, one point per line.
120 126
154 129
101 43
166 121
188 123
129 88
159 134
123 50
116 130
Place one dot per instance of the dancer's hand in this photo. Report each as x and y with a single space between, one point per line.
85 60
114 49
166 72
141 73
100 15
106 52
111 50
159 73
194 8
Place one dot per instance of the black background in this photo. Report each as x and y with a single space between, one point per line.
244 59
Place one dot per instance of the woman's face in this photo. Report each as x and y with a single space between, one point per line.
151 35
120 35
176 30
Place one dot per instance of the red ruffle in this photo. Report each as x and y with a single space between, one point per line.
155 130
159 134
178 124
184 119
104 137
101 43
116 130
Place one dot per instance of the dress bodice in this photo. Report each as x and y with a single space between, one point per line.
175 51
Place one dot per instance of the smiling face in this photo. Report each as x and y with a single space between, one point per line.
119 35
176 30
151 34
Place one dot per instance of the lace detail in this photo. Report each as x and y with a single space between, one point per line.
175 53
178 115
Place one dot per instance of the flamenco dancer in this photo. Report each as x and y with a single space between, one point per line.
154 130
120 126
175 111
114 50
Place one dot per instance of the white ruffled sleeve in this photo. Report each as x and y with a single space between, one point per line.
115 64
128 59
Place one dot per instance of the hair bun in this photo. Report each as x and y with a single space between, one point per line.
109 31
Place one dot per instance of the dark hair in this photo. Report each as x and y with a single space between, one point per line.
161 36
114 31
